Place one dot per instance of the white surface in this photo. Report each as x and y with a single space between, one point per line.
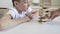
33 27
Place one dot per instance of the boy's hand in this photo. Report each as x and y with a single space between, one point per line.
29 15
34 12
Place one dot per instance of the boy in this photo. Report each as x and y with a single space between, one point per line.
17 15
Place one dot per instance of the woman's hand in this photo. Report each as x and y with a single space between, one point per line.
55 13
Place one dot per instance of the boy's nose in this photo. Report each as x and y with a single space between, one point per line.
26 6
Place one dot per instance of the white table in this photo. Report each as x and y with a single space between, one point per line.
33 27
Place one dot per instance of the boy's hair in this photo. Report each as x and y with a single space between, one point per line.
15 0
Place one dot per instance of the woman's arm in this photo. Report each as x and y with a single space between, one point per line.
55 13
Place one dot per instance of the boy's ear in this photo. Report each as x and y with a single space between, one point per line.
15 3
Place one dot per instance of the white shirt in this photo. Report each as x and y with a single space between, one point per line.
14 13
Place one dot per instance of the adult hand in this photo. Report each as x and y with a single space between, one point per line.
55 13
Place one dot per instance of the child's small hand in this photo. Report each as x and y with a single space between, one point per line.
34 12
29 15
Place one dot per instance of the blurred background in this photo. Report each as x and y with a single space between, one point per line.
40 5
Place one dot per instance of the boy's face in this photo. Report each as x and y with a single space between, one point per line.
23 5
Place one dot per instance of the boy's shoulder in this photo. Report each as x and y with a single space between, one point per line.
13 8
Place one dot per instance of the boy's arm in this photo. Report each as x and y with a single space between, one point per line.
6 22
31 14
